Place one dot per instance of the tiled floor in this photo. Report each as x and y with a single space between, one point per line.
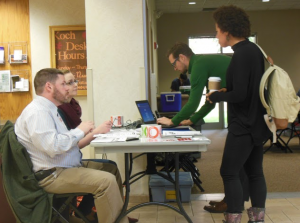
280 208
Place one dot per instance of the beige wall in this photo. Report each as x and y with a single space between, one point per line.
277 31
116 56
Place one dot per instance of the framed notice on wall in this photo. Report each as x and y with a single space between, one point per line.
68 52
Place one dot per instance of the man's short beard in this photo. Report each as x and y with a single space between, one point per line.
59 96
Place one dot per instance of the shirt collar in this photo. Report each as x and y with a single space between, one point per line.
241 43
47 103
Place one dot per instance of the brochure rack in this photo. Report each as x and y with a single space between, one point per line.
17 52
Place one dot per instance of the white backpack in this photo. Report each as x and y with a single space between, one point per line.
281 102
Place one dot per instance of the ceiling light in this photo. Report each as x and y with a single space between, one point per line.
265 0
192 3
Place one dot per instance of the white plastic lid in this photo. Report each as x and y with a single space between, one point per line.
173 92
214 79
185 87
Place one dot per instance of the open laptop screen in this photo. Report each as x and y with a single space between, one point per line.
146 112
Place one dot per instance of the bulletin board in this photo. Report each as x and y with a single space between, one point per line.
68 52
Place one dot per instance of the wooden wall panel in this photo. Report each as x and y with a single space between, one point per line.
14 27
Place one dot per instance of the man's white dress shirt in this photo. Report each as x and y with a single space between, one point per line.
43 133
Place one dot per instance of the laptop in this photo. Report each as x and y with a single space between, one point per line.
147 115
145 110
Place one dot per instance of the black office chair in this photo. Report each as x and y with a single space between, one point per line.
293 131
63 206
28 201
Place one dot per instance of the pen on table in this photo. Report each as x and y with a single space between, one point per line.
131 139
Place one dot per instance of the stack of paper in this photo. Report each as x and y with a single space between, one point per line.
181 133
116 136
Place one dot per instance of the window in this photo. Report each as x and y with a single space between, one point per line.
210 45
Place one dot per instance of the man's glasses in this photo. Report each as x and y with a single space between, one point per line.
72 82
174 63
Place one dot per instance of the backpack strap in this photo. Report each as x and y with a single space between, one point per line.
267 58
262 85
268 118
263 82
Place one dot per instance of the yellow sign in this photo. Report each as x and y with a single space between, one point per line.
170 195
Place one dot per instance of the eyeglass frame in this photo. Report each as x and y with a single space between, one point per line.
174 63
72 82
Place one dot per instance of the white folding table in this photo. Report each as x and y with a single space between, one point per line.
198 145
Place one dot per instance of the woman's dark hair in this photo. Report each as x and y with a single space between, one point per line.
233 20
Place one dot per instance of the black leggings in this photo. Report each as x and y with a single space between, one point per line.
240 152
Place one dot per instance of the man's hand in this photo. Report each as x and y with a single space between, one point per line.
186 122
103 128
164 121
86 127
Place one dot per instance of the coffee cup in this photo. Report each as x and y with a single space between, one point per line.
214 84
116 120
151 131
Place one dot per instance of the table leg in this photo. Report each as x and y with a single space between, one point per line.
177 189
127 184
181 210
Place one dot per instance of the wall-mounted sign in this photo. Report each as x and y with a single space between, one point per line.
68 52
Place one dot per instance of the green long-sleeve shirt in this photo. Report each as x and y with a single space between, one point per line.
201 67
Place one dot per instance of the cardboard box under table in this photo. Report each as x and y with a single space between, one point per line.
170 101
163 190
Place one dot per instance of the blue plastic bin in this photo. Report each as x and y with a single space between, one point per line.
170 101
163 190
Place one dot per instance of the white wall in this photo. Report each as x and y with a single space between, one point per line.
116 56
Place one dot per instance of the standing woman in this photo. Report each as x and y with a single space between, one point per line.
246 127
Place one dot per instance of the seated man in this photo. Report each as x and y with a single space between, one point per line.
54 150
181 81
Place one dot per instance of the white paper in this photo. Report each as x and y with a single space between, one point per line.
120 133
19 84
181 133
109 139
5 81
17 55
26 83
102 139
1 55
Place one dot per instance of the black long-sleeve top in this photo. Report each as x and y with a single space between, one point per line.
245 111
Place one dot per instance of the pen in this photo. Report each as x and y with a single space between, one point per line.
131 139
